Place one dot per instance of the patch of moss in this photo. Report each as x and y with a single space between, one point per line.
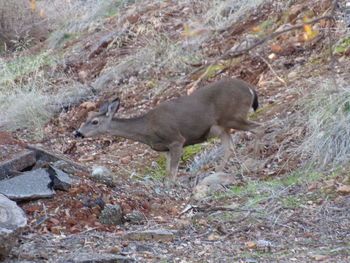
24 65
158 171
291 202
342 45
191 151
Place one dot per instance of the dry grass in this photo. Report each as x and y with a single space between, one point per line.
328 118
20 25
219 15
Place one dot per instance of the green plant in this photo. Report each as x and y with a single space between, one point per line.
20 25
342 45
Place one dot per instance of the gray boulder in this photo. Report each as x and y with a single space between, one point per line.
12 221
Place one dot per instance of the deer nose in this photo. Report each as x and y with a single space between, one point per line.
78 134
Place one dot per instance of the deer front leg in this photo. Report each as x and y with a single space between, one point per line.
174 155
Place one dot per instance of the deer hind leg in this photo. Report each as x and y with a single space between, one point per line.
253 127
226 140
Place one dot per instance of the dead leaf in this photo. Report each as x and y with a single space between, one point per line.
54 221
256 29
276 48
343 189
309 32
250 244
214 237
320 257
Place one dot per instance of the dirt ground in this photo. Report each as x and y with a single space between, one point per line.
265 217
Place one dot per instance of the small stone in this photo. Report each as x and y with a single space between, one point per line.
82 75
111 215
211 183
250 244
214 237
292 75
162 235
125 160
136 218
88 158
344 189
320 257
101 174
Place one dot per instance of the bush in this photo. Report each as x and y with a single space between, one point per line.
20 26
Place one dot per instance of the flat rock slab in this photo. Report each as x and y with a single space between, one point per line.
47 156
21 161
30 185
35 184
162 235
96 258
60 180
12 220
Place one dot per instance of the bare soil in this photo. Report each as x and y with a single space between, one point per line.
313 227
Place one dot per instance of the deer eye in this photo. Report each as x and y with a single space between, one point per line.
94 122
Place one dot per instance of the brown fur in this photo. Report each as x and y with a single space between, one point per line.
208 112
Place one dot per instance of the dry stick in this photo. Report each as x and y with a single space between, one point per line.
231 54
273 71
330 43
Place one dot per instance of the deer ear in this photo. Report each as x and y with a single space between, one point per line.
104 107
113 108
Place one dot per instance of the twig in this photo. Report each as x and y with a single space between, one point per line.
273 71
229 54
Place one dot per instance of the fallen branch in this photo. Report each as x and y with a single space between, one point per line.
229 54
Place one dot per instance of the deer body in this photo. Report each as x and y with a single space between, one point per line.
208 112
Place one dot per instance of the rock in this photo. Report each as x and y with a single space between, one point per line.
321 257
20 162
59 179
250 244
96 258
101 174
65 167
30 185
344 189
125 160
136 218
82 75
293 75
111 215
12 220
48 156
162 235
211 183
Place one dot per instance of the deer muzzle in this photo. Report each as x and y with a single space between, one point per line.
78 134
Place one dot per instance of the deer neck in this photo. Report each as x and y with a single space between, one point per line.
135 129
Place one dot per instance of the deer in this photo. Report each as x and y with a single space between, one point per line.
208 112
